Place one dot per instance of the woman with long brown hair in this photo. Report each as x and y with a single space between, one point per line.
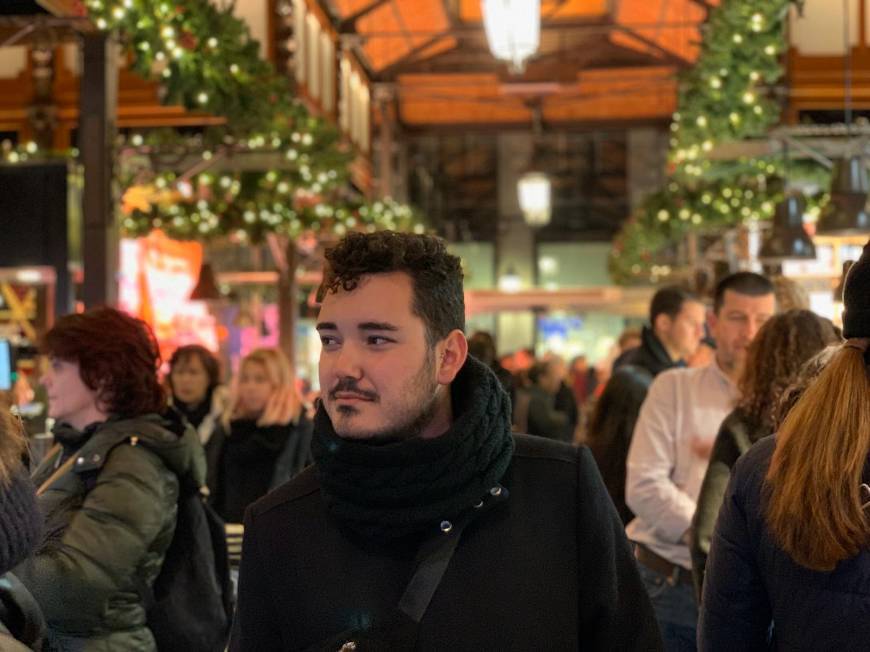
264 438
789 564
773 361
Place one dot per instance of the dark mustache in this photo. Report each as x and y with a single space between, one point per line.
349 386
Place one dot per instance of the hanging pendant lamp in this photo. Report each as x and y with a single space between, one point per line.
846 212
788 240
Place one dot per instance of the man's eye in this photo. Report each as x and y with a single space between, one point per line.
327 340
378 340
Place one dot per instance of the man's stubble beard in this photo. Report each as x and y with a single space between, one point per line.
410 423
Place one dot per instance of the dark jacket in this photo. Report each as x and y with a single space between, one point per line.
610 432
752 584
22 626
736 435
650 355
565 402
544 419
104 543
251 461
549 568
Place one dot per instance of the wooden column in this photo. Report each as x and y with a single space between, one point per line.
98 104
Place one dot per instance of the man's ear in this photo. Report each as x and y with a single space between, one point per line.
451 354
662 323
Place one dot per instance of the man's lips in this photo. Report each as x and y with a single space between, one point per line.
346 396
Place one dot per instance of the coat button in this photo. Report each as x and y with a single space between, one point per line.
96 457
446 527
495 491
80 461
347 647
478 504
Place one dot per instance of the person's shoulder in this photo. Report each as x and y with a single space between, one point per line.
750 470
528 447
304 485
756 460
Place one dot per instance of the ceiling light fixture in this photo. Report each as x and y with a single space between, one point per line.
513 29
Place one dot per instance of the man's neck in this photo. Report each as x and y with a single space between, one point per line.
673 354
731 370
83 419
442 418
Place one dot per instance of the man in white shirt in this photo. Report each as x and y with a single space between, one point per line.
670 451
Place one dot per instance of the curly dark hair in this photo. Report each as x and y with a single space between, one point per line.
436 275
775 358
117 355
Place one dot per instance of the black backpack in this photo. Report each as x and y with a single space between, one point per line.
190 607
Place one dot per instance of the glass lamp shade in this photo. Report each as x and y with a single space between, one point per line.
533 191
788 240
513 29
206 287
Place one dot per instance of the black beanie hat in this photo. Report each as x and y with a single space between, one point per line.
20 520
856 297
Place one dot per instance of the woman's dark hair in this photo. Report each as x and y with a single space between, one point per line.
775 358
209 362
117 356
436 275
611 427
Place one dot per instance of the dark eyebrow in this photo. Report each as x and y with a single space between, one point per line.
376 326
326 326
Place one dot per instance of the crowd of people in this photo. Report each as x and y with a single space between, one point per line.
707 490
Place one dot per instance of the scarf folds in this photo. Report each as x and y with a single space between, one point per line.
389 491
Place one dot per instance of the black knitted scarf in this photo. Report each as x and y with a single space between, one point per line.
388 491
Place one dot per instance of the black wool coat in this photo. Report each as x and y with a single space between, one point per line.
547 569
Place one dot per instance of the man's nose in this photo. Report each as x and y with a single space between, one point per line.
348 362
754 325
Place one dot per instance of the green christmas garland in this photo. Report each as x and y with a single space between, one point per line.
725 96
205 59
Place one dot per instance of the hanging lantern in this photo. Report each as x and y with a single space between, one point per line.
788 240
513 29
533 190
846 212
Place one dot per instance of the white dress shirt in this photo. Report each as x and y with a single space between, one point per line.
669 454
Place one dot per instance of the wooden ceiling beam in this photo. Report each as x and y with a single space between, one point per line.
348 24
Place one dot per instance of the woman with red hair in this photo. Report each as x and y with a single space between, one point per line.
109 489
264 438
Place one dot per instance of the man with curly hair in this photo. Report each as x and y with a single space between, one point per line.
424 523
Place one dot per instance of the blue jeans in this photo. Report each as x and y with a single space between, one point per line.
675 609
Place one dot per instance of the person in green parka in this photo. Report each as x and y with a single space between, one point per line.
109 488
